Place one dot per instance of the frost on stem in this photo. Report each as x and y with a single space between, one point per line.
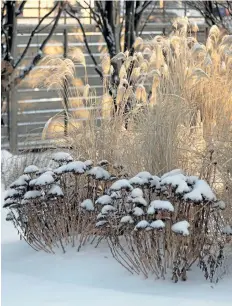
87 205
31 169
62 157
33 194
99 173
181 228
161 205
104 200
120 185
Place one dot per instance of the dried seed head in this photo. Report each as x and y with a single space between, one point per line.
141 94
207 60
129 93
119 57
122 72
194 27
135 74
86 91
144 66
138 44
77 55
107 105
111 69
106 64
120 94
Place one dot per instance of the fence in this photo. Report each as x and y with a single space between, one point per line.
34 106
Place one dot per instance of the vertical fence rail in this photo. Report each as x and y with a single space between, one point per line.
12 99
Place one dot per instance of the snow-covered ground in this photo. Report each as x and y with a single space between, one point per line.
92 277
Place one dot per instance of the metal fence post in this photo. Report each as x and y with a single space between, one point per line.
12 99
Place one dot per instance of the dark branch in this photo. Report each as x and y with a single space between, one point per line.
38 56
20 9
33 33
85 41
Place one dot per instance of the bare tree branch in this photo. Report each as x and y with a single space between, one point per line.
38 56
20 9
73 15
33 33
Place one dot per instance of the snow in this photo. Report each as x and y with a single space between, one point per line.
162 205
104 200
227 230
121 184
222 205
31 169
88 205
158 224
173 172
9 202
182 187
137 211
127 219
33 194
62 157
56 190
100 223
11 193
155 182
92 277
137 181
174 180
145 175
44 179
100 216
181 228
99 173
140 201
88 163
116 195
77 167
137 192
107 208
200 190
142 224
21 181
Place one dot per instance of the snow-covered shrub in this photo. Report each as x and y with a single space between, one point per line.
157 224
152 224
54 206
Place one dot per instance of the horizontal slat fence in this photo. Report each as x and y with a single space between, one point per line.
36 105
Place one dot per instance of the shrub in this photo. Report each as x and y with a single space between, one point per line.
152 224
